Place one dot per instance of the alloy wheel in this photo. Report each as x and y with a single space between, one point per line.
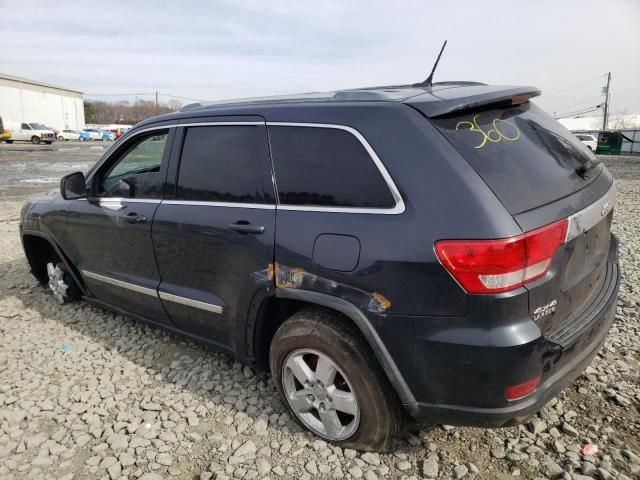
320 394
56 283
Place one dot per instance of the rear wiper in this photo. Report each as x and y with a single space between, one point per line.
585 167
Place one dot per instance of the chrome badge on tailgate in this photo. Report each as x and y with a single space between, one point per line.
586 218
545 310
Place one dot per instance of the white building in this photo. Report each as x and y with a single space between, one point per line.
23 100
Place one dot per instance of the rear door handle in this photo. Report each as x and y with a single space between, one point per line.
245 228
135 218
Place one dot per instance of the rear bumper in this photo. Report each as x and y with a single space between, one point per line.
468 373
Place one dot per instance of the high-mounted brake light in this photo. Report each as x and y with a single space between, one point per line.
521 98
492 266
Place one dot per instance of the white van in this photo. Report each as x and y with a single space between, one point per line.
32 132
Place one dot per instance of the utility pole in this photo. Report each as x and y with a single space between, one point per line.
606 102
157 102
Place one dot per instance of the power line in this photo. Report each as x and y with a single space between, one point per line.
575 86
580 112
150 94
183 98
588 100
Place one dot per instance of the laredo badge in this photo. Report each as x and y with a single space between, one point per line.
545 310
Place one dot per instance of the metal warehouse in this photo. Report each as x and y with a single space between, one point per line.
23 100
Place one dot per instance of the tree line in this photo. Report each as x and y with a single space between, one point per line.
125 112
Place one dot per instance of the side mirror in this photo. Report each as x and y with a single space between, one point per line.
73 186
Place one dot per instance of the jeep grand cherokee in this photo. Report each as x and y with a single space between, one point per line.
443 251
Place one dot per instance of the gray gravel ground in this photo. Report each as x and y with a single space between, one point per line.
86 394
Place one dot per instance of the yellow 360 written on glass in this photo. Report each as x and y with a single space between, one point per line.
494 135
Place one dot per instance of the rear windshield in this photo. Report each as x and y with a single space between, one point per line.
525 156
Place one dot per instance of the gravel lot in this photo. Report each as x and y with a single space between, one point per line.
86 394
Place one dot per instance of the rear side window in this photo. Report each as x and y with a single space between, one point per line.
326 167
222 164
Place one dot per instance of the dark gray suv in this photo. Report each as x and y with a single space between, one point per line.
441 251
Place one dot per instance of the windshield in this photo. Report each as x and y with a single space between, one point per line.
525 156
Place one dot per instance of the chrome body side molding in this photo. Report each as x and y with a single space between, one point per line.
119 283
209 307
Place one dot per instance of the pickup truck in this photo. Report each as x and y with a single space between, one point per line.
32 132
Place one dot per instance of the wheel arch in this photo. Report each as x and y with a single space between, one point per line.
286 301
38 247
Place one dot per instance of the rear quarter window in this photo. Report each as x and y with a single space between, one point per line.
326 167
525 156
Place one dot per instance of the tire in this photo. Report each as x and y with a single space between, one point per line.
48 142
9 142
61 138
35 140
315 335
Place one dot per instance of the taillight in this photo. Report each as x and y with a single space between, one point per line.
492 266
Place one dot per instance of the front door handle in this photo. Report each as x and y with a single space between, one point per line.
244 227
135 218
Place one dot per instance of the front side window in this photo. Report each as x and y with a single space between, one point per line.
326 167
25 126
222 164
136 174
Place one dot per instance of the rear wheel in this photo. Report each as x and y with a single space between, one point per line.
9 141
331 381
35 140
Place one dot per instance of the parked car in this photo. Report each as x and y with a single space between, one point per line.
108 136
32 132
117 132
443 250
4 134
69 135
94 133
84 136
54 130
588 141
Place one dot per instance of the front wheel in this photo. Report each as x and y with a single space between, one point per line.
332 383
35 140
61 138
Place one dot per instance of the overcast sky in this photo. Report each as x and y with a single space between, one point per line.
230 49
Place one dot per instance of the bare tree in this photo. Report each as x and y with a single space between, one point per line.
124 112
620 121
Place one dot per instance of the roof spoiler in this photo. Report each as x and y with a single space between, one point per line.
470 97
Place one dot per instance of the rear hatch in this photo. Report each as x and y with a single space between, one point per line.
541 173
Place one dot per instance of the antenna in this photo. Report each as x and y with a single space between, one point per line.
429 81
